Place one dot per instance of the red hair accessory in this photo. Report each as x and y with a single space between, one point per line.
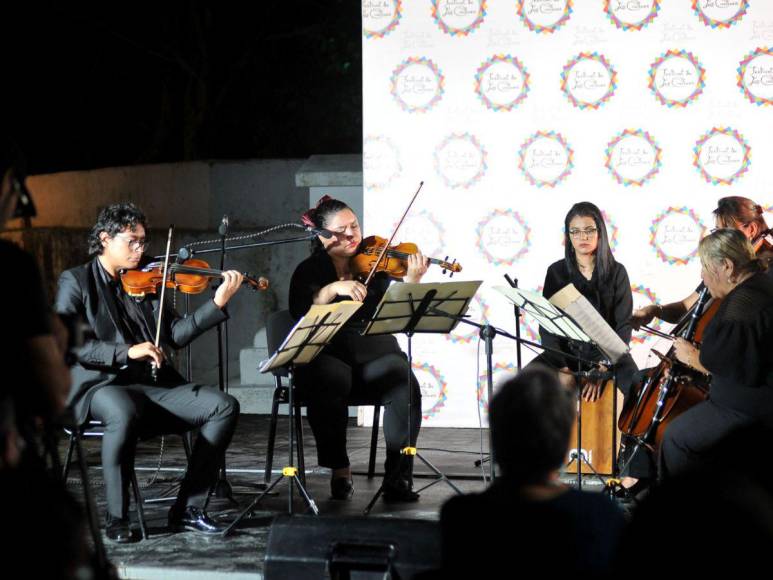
306 217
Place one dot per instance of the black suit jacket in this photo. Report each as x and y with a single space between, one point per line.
82 292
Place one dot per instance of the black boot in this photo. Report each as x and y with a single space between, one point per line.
398 478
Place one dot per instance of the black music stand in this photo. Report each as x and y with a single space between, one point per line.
404 309
305 341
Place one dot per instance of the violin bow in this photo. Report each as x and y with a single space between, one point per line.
153 367
392 237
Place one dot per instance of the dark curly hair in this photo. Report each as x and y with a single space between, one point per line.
114 219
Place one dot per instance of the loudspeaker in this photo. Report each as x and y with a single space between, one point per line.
302 547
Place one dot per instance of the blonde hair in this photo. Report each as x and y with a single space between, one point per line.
729 244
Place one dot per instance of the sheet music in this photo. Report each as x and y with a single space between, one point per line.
308 337
582 311
545 313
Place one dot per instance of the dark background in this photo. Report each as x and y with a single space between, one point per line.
88 86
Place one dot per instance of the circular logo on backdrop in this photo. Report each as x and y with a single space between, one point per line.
633 157
460 160
458 17
675 233
677 78
755 76
503 237
478 311
380 161
720 13
722 156
434 389
631 15
546 159
502 82
380 17
417 84
499 371
544 16
643 296
424 230
588 80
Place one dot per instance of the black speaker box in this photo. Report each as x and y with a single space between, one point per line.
304 547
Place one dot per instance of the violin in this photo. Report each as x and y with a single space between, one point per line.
371 259
189 277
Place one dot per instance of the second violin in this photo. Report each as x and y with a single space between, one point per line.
395 259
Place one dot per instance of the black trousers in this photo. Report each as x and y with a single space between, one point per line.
695 432
329 383
137 410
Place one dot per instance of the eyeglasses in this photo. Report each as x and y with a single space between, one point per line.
133 244
586 233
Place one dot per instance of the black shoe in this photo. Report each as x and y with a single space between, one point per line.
635 493
399 490
119 530
194 519
341 488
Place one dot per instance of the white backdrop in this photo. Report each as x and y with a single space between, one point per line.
511 111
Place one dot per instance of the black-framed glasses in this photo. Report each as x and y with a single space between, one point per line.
133 244
586 233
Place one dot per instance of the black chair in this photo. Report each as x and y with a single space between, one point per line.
95 429
279 326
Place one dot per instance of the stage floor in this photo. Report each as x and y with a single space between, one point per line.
240 556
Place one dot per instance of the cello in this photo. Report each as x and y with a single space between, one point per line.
671 388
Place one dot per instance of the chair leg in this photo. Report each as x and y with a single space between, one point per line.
68 459
272 433
138 503
374 441
299 444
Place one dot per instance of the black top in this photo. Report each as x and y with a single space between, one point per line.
103 357
318 271
26 315
30 314
495 531
133 323
613 300
737 349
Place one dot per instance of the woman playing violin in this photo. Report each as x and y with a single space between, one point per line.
736 351
354 365
734 212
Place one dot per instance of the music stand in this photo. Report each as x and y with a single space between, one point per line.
306 340
593 330
404 309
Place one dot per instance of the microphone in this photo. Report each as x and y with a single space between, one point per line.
223 229
327 234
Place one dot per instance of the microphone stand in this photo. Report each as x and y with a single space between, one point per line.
222 488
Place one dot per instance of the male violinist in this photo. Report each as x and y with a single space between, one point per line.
112 379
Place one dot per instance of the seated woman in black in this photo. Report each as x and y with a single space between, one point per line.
588 263
736 350
352 363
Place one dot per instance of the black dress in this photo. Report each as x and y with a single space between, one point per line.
737 349
353 367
